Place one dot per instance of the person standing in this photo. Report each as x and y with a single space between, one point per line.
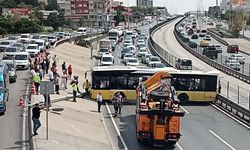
99 101
119 102
86 86
70 71
35 118
74 88
115 104
55 59
64 66
64 80
50 74
56 81
37 80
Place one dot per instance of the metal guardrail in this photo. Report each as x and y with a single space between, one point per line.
237 110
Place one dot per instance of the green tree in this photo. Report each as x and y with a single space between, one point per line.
6 25
248 20
55 20
52 5
237 23
9 4
25 25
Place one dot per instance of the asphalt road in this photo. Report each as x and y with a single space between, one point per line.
166 39
203 126
11 128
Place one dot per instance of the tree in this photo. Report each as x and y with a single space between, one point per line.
52 5
9 4
237 23
25 25
119 17
55 20
248 20
6 25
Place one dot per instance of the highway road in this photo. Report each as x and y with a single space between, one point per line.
166 39
11 127
203 126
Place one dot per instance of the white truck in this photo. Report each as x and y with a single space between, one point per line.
104 46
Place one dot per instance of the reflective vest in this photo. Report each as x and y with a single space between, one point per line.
36 78
86 85
74 87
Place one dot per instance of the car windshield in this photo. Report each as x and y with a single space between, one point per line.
155 59
186 62
18 45
143 50
12 38
107 59
51 37
129 55
132 60
24 36
5 43
39 43
203 31
103 50
10 49
10 66
35 37
160 66
21 57
31 47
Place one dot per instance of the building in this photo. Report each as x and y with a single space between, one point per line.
21 12
144 3
46 13
214 11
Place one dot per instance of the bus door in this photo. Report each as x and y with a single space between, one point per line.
118 84
198 90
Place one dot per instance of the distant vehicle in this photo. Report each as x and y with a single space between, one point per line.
141 45
25 38
113 34
218 25
207 38
145 58
52 39
192 44
127 56
202 33
10 51
184 64
132 47
5 44
204 43
34 38
46 39
218 48
32 49
140 42
82 31
11 64
211 52
128 33
4 92
153 60
104 46
107 60
14 39
132 62
19 46
195 36
41 44
238 57
232 48
124 51
143 50
159 65
67 35
22 60
234 64
190 31
210 23
113 44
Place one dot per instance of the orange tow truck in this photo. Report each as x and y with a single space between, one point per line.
157 112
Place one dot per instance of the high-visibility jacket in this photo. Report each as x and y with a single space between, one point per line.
86 85
36 78
74 87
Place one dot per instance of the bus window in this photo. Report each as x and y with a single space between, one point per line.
212 83
101 82
132 82
119 82
200 84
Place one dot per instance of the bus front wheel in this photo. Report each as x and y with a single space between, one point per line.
183 98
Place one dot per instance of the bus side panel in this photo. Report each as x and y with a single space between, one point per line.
105 94
199 96
129 94
210 96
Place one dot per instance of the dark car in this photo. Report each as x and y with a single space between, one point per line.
232 48
195 36
192 44
124 51
190 31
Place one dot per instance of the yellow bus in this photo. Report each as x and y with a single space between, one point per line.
190 85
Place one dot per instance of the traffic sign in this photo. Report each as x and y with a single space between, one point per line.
47 87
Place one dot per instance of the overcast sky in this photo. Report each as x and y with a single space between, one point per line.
178 6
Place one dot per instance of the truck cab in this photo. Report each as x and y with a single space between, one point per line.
211 52
4 92
184 64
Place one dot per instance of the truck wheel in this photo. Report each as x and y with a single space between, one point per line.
183 98
171 143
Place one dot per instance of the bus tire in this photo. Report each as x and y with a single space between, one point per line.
183 98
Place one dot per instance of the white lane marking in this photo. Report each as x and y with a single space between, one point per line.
24 117
217 136
184 109
178 145
116 128
235 119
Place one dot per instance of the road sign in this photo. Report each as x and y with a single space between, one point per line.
47 87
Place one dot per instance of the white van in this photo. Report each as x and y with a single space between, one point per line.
107 59
82 31
41 44
22 60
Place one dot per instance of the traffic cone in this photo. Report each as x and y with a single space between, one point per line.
21 101
33 89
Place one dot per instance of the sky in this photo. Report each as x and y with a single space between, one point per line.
178 6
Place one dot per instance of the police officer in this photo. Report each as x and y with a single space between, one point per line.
74 88
86 86
36 79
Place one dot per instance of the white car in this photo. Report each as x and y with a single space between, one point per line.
25 38
218 48
22 60
145 58
128 42
52 39
32 49
132 62
153 60
10 51
207 38
107 60
143 50
238 57
140 42
14 39
5 44
34 38
234 64
132 47
127 56
41 44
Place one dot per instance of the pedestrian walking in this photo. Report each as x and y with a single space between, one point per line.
64 80
56 82
64 66
50 74
45 101
120 102
74 88
115 104
41 72
55 59
35 118
86 86
70 71
47 64
99 101
36 80
76 81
